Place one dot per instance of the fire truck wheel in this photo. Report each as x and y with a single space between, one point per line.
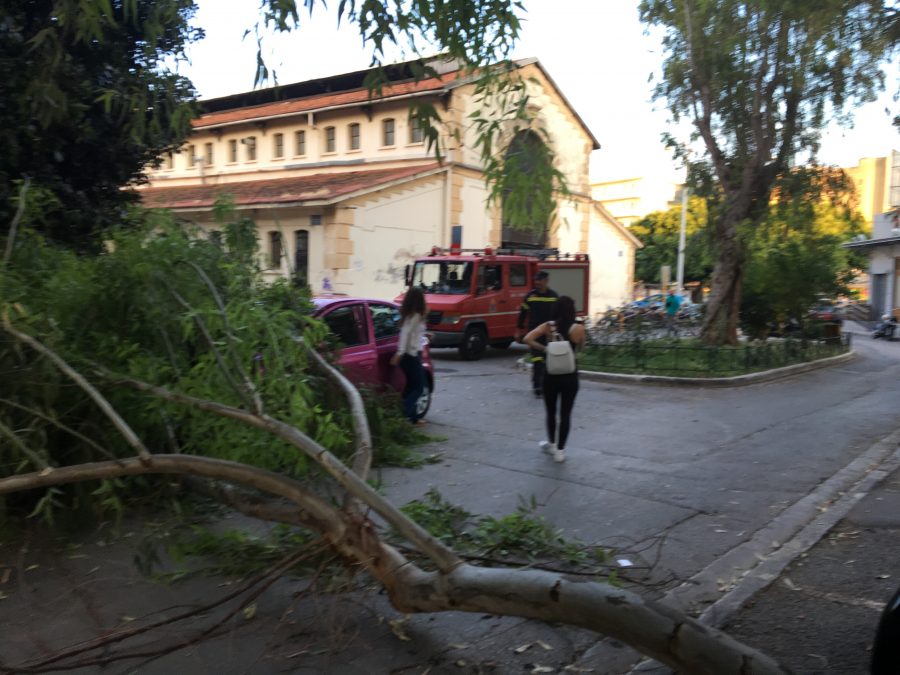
474 343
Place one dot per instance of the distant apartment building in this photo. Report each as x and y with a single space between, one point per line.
877 182
345 190
878 186
630 199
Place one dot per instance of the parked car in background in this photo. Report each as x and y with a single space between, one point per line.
368 331
826 312
655 301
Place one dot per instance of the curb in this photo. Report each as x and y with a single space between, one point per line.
734 381
746 571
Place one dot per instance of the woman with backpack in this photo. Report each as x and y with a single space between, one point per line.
563 338
409 350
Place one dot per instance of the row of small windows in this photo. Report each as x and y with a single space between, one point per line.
354 140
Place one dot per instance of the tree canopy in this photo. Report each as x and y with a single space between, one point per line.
795 256
758 80
659 232
90 99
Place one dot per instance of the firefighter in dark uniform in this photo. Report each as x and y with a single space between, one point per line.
537 308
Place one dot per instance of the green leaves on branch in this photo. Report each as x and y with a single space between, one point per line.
171 307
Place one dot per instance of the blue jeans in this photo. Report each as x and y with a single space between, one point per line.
415 384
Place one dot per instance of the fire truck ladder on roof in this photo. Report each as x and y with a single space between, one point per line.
539 253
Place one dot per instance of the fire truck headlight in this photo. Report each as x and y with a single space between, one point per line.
452 319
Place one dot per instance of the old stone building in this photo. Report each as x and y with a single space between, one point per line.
345 191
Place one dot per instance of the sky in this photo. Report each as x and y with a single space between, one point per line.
596 51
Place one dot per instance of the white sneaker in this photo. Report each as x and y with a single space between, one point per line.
559 455
548 447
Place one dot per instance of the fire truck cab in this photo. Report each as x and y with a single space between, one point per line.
474 296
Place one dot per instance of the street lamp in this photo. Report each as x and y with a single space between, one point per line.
679 275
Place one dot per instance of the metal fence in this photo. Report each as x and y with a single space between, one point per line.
692 359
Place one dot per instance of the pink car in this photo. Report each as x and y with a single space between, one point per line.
368 331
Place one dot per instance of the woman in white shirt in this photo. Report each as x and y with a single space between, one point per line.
409 350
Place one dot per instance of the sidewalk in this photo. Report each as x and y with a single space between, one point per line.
820 614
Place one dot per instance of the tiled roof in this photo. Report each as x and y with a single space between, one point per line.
318 187
320 101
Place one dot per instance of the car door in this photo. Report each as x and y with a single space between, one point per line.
385 319
350 325
491 301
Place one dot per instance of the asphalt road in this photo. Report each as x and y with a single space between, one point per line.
702 468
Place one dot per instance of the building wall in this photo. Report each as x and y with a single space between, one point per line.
872 177
630 199
555 123
392 228
475 217
612 265
315 154
361 245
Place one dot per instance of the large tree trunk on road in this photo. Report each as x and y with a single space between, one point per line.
653 629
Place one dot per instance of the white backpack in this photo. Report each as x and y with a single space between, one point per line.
559 357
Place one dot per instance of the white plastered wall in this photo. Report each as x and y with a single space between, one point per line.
612 264
568 227
392 228
474 218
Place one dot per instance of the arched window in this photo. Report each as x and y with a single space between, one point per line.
330 139
527 186
353 136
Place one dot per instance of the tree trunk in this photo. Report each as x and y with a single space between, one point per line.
724 302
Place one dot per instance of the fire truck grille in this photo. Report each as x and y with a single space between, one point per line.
433 318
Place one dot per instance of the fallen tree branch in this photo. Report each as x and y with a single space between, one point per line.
14 225
86 386
655 630
362 456
443 557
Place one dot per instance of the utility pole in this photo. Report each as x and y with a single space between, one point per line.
679 275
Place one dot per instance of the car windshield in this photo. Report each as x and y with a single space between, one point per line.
442 277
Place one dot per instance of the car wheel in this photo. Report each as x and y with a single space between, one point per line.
474 343
424 402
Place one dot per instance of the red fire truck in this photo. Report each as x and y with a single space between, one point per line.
474 296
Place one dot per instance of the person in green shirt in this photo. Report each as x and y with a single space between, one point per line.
673 302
